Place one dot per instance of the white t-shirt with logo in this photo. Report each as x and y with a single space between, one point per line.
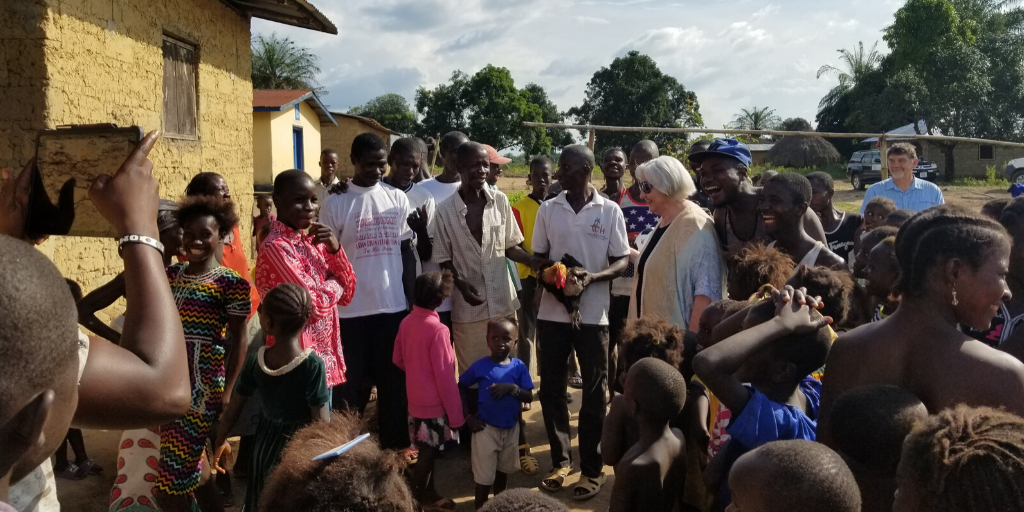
418 198
440 191
371 223
592 236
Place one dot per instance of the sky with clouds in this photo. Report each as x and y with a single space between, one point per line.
733 54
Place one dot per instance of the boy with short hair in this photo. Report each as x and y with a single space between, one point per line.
869 426
793 476
647 477
876 210
525 211
840 227
503 383
763 375
784 203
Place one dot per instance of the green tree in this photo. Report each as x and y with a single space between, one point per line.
549 113
488 108
633 91
391 110
756 119
278 63
856 65
795 124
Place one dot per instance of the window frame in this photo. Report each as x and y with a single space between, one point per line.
186 44
991 147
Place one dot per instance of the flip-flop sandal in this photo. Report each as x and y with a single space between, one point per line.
373 394
527 406
589 486
528 463
441 504
576 381
89 467
71 472
553 482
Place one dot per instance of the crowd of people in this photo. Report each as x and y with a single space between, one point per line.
738 347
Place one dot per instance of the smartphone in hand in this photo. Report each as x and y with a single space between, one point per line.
68 160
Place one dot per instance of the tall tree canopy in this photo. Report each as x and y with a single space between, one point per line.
489 109
391 110
279 63
632 91
856 65
763 118
956 64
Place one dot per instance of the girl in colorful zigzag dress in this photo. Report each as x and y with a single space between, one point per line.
213 302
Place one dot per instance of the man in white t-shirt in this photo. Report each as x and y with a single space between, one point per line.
371 222
442 187
582 223
404 160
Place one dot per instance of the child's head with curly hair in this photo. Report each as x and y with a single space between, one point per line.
755 266
844 299
963 459
364 479
650 337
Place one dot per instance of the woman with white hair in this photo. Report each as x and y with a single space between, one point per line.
679 269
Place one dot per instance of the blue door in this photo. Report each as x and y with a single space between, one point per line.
297 147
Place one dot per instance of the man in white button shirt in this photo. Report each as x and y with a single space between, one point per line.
328 179
582 223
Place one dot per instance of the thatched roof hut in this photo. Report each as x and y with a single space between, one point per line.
803 151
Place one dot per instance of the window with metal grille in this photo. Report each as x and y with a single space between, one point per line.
987 152
180 119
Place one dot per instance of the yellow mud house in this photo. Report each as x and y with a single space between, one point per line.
339 138
182 66
286 127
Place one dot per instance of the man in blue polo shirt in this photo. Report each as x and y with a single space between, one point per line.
902 187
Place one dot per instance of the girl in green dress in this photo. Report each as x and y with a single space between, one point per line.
291 382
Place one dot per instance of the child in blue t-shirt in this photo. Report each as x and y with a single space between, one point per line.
763 375
504 384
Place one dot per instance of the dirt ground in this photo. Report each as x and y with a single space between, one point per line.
454 474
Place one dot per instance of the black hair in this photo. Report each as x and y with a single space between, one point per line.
1012 215
651 337
797 185
507 319
541 160
523 500
888 204
805 476
872 238
937 235
646 145
823 178
367 142
613 149
197 206
202 184
996 206
364 479
869 424
409 146
698 146
38 327
899 217
432 288
452 140
757 265
289 305
967 460
326 151
807 352
469 148
657 387
288 178
165 220
842 295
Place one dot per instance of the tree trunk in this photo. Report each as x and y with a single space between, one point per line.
947 152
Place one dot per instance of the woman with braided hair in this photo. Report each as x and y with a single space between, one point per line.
963 460
953 266
291 381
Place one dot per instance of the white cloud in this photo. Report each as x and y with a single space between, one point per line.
751 54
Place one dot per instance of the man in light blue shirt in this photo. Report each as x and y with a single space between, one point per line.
902 187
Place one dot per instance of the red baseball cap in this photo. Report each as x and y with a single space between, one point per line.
494 157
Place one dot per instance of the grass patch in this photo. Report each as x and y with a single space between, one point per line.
514 197
848 207
837 171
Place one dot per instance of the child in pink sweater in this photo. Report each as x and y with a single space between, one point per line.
424 351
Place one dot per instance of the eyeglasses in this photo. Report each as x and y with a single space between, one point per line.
646 187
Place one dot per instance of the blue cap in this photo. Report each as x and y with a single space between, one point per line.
725 147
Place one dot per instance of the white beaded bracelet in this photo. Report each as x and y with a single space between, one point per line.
139 239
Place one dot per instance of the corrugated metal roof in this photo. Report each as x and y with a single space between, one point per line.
276 100
760 147
297 13
367 121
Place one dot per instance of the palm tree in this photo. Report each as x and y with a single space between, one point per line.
756 119
856 63
278 63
